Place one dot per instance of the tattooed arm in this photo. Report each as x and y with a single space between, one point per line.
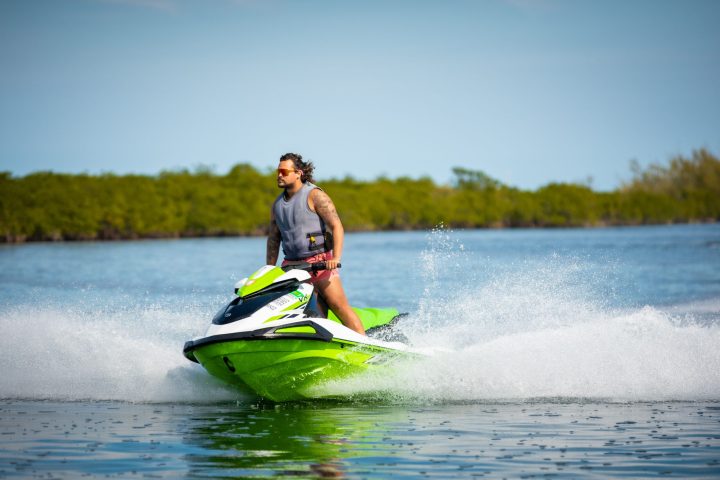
273 242
320 202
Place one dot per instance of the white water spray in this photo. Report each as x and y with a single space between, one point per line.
540 330
135 356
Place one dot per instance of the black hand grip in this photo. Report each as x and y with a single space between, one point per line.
316 267
313 267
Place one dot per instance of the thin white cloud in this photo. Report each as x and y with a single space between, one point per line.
529 4
173 5
165 5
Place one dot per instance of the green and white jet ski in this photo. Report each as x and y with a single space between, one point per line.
270 340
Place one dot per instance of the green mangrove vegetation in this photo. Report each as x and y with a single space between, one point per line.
55 206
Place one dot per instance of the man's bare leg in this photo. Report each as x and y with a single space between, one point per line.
334 295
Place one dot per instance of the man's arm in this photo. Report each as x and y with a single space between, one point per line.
273 242
321 203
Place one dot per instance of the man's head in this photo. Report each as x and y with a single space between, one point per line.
292 169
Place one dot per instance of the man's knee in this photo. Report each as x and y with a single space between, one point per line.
333 304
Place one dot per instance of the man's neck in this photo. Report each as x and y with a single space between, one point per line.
292 189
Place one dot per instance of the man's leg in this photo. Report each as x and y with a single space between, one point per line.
332 292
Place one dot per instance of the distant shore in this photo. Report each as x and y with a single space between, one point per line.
181 236
47 206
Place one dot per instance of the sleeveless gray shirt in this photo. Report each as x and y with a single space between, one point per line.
301 229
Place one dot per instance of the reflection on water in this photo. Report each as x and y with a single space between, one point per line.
549 438
289 440
557 439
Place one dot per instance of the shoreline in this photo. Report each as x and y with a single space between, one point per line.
10 240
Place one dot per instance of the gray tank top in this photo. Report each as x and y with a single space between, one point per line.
302 230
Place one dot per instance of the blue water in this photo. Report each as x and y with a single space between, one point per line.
571 353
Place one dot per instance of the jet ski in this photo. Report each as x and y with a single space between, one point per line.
271 341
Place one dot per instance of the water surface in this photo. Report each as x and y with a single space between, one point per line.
571 353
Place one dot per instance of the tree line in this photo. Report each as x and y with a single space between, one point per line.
55 206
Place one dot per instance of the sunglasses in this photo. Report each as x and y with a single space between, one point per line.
286 171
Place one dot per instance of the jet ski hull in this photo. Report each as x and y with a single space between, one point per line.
287 369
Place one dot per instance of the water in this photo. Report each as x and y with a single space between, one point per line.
565 353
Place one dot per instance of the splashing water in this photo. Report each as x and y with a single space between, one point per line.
642 355
537 330
129 356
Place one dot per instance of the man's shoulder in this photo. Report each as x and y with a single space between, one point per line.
314 191
317 194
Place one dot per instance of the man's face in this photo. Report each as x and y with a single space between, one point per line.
287 174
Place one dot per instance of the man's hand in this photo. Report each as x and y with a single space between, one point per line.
332 264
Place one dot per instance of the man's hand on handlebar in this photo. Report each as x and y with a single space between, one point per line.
314 267
332 264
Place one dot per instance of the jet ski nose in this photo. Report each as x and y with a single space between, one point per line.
188 351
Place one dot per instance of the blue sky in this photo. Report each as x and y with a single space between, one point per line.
528 91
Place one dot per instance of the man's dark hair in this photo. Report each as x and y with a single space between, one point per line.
307 168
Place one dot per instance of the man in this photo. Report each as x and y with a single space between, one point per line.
304 219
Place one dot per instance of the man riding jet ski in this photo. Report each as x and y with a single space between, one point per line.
304 219
275 339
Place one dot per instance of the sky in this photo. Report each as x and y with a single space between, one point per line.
528 91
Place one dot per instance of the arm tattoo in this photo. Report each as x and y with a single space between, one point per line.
325 208
273 244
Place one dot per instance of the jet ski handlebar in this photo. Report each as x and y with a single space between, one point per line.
311 267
